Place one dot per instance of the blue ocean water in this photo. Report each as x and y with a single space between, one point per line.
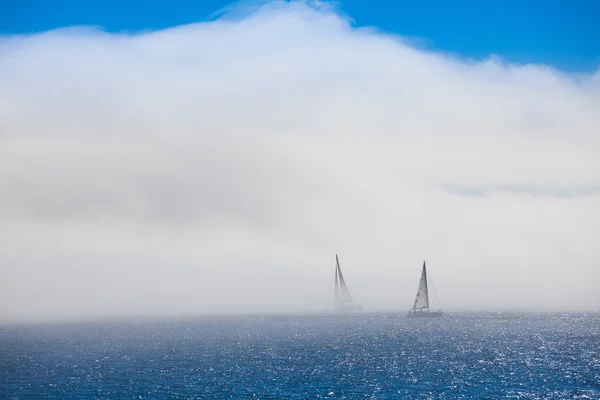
371 356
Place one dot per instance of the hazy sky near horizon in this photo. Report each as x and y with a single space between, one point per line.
219 166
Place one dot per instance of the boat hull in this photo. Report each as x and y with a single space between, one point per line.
425 314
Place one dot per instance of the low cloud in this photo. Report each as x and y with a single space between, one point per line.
219 166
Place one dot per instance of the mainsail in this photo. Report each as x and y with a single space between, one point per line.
421 305
338 297
343 300
422 299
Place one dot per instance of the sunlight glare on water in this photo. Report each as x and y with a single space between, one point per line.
460 356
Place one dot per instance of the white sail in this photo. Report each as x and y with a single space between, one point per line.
346 298
337 295
422 298
343 300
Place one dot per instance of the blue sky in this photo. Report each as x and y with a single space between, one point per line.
561 33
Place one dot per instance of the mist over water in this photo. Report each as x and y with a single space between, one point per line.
460 356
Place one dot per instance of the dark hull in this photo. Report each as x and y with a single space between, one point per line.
425 314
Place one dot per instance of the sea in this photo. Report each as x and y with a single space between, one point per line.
367 356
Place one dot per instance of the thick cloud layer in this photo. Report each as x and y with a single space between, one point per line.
218 167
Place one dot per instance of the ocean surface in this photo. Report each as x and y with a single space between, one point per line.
371 356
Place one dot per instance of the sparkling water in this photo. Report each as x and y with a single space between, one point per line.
373 356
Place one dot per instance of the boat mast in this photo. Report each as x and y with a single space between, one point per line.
424 278
338 297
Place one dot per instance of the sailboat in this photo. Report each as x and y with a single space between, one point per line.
421 306
343 300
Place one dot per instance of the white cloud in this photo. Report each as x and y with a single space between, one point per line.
218 167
